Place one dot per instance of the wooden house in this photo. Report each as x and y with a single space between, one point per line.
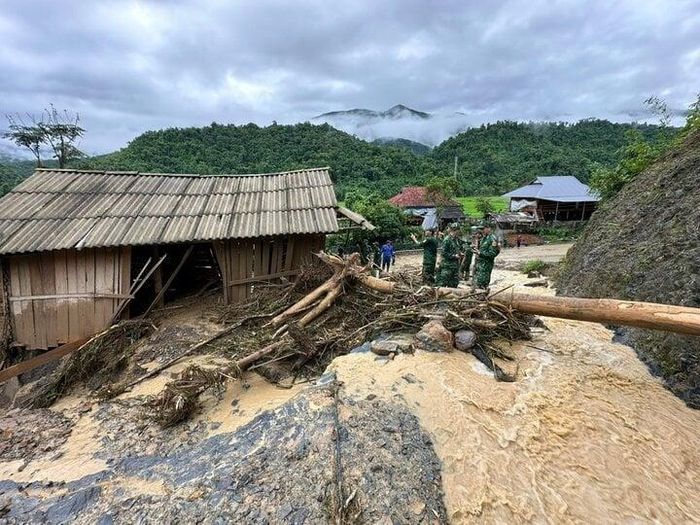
78 246
556 198
428 210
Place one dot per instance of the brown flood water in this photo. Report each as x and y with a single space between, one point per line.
586 434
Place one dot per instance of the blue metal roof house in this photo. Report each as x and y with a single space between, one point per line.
555 198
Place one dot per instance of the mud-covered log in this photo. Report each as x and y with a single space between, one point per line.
670 318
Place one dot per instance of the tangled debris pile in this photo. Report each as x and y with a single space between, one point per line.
343 311
96 363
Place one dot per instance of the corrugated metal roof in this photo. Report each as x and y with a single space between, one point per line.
57 209
556 188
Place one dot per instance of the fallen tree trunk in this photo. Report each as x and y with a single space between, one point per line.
669 318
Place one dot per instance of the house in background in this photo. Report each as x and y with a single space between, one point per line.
556 198
428 211
78 246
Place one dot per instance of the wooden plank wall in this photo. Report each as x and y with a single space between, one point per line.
244 262
62 296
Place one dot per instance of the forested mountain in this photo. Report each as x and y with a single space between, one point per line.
492 159
253 149
410 145
496 158
13 171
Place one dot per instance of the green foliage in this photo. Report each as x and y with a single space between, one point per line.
636 156
389 220
414 147
496 158
355 163
534 265
14 171
484 207
561 233
641 151
55 130
469 204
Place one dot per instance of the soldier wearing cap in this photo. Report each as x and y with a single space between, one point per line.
488 250
451 255
430 250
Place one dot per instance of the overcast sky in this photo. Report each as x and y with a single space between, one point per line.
129 66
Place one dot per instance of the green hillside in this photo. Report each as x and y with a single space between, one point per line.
254 149
497 158
492 159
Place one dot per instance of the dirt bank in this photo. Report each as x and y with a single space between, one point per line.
644 244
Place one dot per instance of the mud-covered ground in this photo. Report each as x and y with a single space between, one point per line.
585 434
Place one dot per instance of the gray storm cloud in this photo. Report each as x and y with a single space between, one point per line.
130 66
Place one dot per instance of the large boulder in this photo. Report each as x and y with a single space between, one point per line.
434 337
644 245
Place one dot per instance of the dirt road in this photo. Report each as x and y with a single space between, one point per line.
509 258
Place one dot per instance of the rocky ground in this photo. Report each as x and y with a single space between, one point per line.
584 434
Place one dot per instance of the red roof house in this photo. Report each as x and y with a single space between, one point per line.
417 201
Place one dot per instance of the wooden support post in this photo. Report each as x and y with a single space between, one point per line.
170 280
158 279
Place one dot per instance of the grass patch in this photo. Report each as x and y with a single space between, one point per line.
499 204
535 265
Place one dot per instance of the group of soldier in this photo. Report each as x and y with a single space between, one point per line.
457 256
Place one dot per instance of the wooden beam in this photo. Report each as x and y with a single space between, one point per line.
261 278
170 280
670 318
136 285
158 279
85 295
46 357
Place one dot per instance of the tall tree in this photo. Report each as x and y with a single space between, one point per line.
29 136
62 130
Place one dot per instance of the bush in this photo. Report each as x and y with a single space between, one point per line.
535 265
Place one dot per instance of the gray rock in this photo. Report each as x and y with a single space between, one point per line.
279 468
384 347
465 339
434 337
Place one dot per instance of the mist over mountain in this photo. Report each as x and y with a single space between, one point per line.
398 121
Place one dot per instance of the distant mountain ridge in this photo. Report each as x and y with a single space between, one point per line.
399 111
410 145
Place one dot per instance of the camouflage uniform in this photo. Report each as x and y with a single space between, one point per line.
488 250
430 249
449 268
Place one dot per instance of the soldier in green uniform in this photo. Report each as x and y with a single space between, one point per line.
430 249
449 268
488 250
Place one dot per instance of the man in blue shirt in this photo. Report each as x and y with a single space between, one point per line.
388 255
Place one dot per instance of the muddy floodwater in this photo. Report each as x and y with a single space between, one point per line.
585 434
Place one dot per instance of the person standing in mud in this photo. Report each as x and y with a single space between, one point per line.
388 256
430 249
488 250
449 267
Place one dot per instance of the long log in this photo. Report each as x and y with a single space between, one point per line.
666 317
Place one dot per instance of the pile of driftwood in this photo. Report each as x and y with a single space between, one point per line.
294 331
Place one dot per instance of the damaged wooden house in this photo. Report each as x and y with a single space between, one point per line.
81 249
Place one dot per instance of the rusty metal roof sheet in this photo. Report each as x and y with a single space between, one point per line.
58 209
